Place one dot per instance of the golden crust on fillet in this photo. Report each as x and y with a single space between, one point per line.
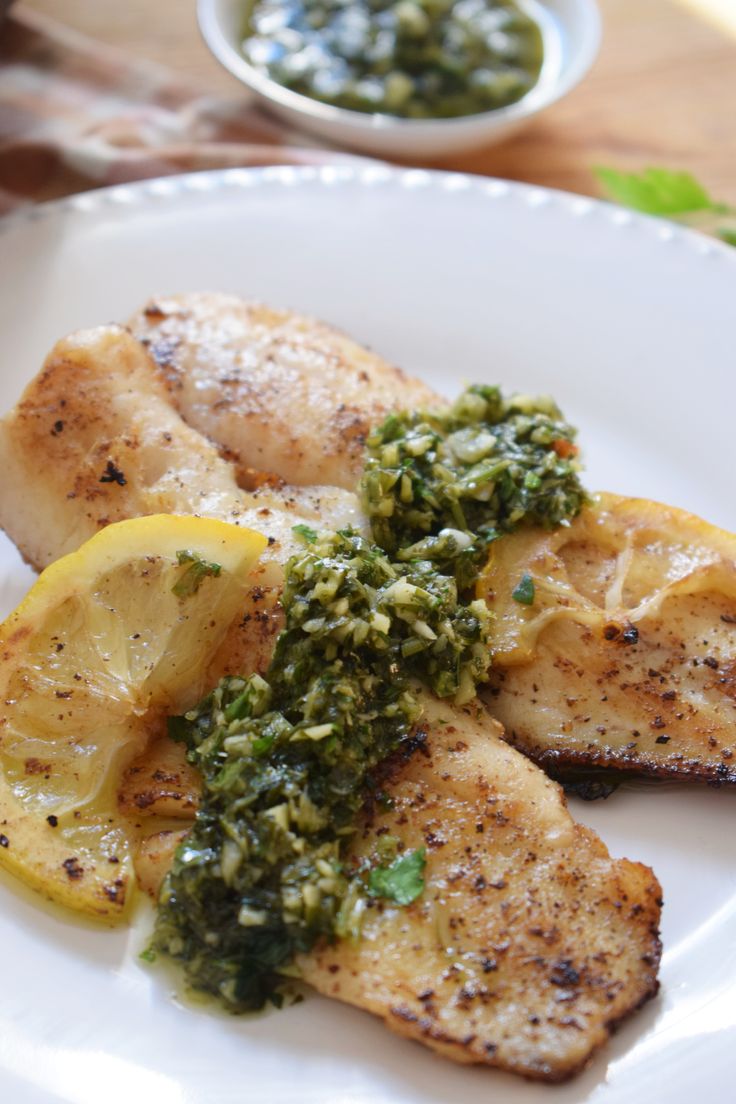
95 439
626 657
277 391
160 782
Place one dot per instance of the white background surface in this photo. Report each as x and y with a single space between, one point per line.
630 323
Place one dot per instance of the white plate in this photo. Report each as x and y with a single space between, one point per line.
630 323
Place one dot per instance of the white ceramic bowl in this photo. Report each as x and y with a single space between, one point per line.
571 31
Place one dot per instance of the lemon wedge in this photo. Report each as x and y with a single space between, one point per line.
108 642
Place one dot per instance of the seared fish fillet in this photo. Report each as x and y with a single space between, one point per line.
627 655
94 439
160 782
530 942
225 362
278 392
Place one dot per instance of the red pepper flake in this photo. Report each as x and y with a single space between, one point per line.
565 449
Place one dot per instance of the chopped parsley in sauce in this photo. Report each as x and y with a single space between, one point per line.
443 486
524 590
197 569
287 759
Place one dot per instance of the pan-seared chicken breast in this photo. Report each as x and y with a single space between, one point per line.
278 392
626 656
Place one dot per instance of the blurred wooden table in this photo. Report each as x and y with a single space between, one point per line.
663 90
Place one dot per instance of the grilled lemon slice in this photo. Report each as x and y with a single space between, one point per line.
109 640
615 641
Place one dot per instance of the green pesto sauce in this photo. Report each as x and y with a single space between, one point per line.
411 58
287 760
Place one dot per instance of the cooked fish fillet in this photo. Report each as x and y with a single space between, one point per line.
154 857
202 339
94 439
530 941
627 655
278 392
160 782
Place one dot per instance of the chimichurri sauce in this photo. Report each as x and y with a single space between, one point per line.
442 486
412 58
286 760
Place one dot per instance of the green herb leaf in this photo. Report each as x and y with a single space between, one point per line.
309 535
402 881
524 590
656 191
191 579
178 729
148 955
675 195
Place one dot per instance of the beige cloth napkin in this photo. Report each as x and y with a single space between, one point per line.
76 115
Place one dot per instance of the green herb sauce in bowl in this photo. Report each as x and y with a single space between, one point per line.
414 59
387 115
